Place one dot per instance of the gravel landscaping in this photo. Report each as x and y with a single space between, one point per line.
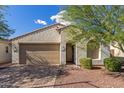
96 78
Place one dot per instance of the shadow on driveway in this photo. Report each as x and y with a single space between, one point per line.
14 76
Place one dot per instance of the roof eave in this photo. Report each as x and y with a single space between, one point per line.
34 31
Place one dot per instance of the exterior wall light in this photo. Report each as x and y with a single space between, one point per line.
63 49
14 48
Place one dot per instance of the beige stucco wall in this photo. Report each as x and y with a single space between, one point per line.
103 53
82 53
5 57
78 52
49 35
63 48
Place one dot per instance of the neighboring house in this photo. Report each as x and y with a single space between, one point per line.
5 51
49 45
117 53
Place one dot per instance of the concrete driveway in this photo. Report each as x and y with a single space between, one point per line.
27 76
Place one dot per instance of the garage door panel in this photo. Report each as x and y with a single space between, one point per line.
42 57
39 53
44 47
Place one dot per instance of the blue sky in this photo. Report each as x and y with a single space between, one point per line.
24 19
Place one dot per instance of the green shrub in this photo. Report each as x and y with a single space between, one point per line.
86 63
112 64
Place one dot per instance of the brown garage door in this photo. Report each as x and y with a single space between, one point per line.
39 54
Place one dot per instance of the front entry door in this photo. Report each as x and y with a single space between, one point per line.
69 53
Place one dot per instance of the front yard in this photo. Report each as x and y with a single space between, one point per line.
27 76
58 77
96 78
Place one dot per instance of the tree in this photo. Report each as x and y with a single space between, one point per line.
103 24
5 30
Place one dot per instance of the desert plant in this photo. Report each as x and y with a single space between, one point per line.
112 64
104 24
86 63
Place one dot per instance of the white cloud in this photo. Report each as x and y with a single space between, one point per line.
58 18
39 21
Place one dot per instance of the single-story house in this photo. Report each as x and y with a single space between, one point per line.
49 45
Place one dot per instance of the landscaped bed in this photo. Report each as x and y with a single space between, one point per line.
98 77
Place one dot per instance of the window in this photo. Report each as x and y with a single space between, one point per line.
93 49
7 49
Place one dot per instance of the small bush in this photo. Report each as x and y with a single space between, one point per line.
86 63
112 64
